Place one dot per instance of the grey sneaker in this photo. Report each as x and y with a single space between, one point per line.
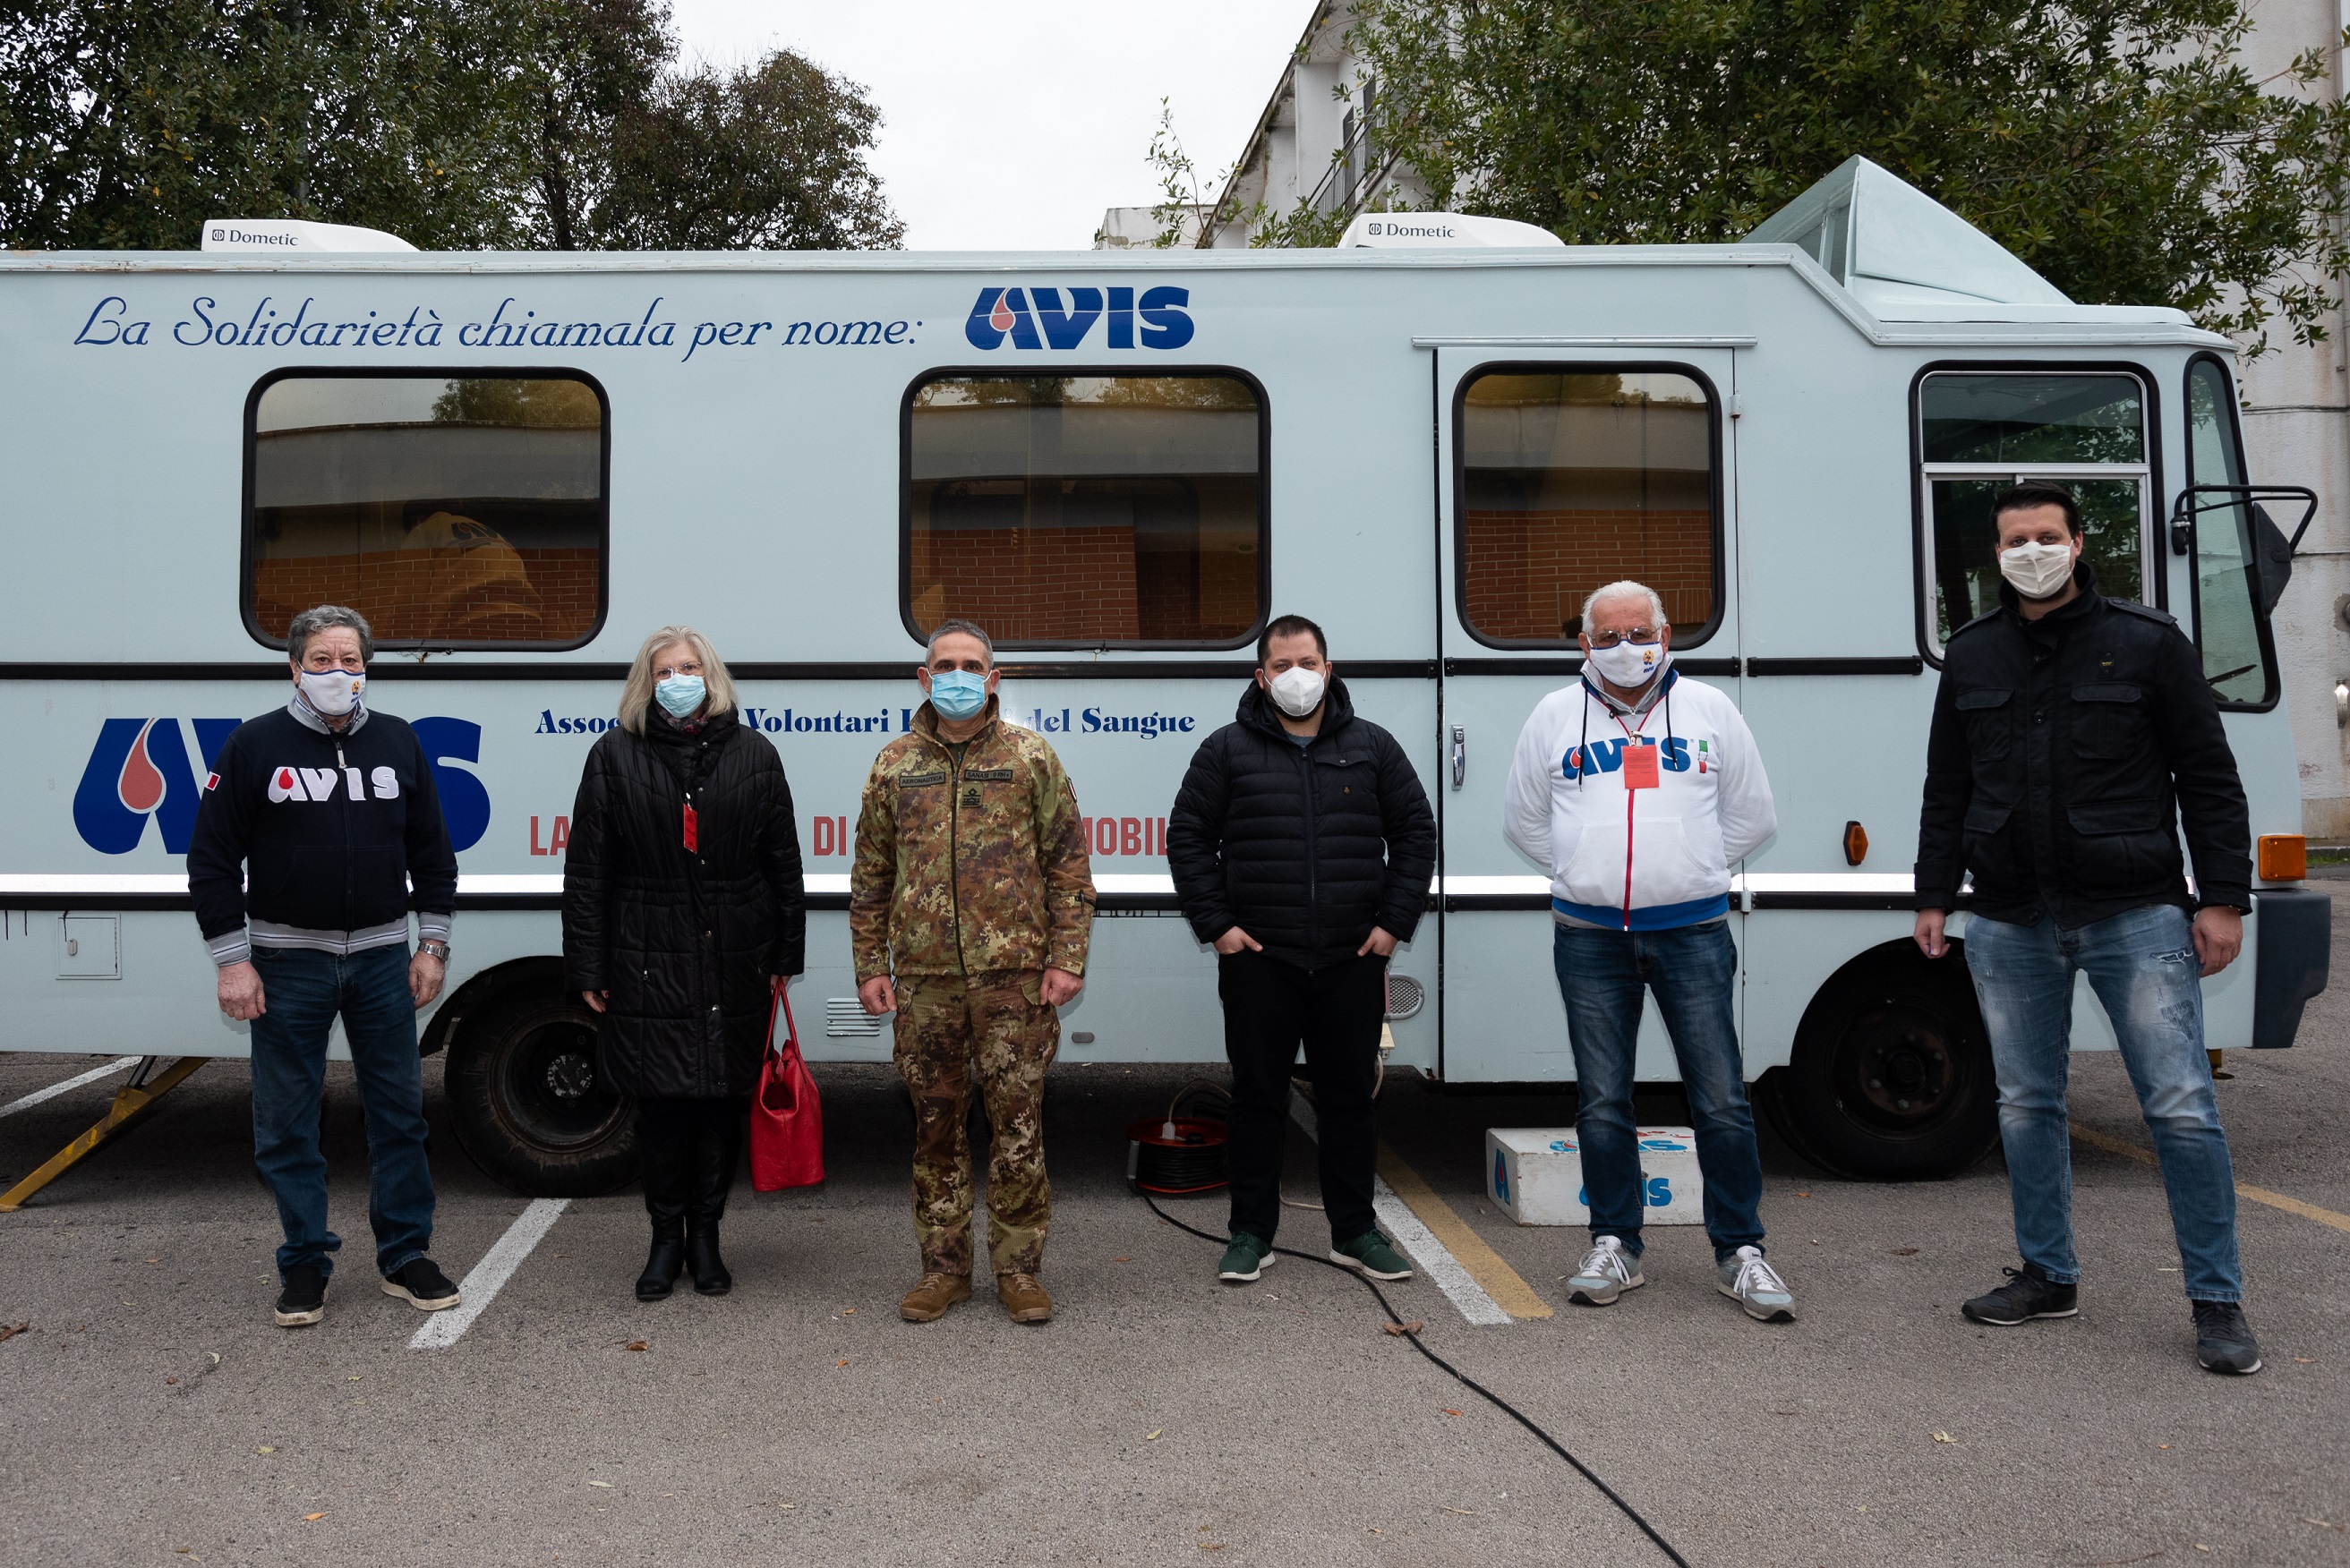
2223 1340
1607 1272
1756 1286
1245 1259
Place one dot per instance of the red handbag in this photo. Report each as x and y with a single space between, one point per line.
786 1119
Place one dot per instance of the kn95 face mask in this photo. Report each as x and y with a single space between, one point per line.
958 694
1628 664
333 692
2037 571
1297 691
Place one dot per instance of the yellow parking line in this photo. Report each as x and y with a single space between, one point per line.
1499 1281
2257 1194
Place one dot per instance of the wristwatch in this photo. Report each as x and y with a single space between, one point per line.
434 946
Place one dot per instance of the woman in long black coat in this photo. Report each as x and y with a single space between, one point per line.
682 905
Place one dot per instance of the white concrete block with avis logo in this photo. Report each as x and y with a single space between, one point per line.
1534 1175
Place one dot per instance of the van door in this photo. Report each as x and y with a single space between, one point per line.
1559 470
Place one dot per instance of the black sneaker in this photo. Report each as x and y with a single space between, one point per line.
304 1299
2024 1297
421 1285
2223 1340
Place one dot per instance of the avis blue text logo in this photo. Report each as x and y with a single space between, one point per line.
1607 756
142 768
1034 318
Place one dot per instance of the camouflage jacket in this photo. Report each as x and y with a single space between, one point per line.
963 868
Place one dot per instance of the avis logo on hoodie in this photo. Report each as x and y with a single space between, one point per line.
319 783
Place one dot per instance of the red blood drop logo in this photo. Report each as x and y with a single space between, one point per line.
1000 317
141 784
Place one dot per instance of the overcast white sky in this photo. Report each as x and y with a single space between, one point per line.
1012 124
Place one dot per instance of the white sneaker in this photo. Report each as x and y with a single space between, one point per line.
1756 1286
1607 1272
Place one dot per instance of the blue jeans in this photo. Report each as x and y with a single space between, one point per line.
2142 966
1691 969
302 992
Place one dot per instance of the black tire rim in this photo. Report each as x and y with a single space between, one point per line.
1899 1067
547 1090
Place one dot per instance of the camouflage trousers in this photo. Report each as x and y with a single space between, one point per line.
999 1025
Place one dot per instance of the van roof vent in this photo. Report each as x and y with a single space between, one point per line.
1442 230
254 235
1886 241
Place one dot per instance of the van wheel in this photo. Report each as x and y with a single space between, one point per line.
1891 1078
529 1105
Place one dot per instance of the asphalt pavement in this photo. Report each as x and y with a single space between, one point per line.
155 1416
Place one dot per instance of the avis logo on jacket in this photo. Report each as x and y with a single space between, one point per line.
1631 843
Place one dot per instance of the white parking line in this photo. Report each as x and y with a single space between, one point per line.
1404 1227
54 1090
489 1276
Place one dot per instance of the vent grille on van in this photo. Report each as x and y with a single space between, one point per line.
845 1015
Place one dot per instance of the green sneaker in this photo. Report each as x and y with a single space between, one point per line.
1370 1252
1245 1259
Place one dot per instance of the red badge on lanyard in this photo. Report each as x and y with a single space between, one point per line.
693 834
1640 766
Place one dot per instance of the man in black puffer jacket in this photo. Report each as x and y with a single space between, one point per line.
1301 844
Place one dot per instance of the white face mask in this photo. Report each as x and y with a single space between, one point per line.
1297 691
2037 571
1629 664
333 692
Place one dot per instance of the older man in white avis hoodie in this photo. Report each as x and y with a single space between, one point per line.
1638 790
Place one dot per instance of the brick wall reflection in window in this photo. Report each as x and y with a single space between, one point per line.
1087 510
450 512
1570 482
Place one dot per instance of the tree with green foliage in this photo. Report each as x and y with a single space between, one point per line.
2119 146
455 124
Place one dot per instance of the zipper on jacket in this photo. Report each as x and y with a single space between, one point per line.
1312 852
342 778
954 848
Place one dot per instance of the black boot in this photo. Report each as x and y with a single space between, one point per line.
716 1148
665 1150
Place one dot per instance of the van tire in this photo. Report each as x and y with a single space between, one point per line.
527 1103
1891 1077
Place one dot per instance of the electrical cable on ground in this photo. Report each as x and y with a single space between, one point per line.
1512 1412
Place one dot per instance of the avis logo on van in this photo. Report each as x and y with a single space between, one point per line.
1034 318
142 768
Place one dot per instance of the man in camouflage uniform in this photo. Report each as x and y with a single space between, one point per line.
973 886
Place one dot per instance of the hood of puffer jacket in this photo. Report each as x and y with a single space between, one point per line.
1257 713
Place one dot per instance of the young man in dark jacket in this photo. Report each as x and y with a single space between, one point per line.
315 820
1302 846
2070 732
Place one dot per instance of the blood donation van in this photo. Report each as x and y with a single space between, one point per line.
1122 463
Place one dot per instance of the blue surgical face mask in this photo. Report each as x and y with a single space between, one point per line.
958 694
681 694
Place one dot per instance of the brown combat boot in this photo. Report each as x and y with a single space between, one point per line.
1024 1298
932 1296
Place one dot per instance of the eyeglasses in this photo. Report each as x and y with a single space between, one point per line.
1639 634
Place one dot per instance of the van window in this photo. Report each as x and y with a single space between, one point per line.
1087 511
2237 659
452 512
1981 433
1572 482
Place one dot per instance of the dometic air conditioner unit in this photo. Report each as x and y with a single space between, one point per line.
253 235
1441 232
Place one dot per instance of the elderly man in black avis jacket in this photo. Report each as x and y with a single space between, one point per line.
1301 844
315 822
2070 732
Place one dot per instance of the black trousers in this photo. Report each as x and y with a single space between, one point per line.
1269 1008
687 1151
